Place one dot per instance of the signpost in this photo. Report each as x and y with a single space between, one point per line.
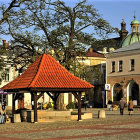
107 86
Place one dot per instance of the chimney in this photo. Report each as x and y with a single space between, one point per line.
90 50
5 44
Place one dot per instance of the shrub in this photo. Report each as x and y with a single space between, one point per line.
45 106
71 105
49 105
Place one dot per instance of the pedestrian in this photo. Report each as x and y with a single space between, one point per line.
122 104
130 107
110 105
85 103
3 114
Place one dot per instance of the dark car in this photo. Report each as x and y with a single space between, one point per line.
90 104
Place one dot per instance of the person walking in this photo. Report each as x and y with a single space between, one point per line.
130 107
3 114
85 103
122 104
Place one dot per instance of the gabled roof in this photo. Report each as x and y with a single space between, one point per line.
47 74
93 53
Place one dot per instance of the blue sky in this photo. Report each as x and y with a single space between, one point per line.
111 10
114 10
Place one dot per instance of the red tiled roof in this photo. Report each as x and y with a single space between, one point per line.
47 73
94 54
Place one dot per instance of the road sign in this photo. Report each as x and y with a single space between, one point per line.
107 86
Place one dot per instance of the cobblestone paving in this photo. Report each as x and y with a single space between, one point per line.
113 127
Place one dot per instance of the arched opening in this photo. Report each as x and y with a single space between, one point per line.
117 93
133 91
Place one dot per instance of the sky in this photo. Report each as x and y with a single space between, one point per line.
111 10
115 10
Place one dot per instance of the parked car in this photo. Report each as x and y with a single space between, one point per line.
90 104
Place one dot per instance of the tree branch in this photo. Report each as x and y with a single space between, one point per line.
83 28
12 5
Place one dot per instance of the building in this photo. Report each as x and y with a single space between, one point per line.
123 68
7 74
96 62
111 44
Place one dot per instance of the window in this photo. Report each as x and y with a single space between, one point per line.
132 64
3 99
120 66
113 66
134 29
6 76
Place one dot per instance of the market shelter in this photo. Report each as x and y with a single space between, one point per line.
47 75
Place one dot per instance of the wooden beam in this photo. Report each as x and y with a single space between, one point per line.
35 107
75 95
79 106
59 90
17 96
54 97
13 107
40 95
50 96
57 95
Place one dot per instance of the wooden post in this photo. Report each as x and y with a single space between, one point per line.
79 106
32 100
55 100
35 107
55 105
13 107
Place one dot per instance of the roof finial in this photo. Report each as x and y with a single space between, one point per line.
134 15
123 22
123 18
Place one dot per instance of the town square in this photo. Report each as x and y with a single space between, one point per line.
69 69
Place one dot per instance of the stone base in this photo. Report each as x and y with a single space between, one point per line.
49 116
84 116
17 118
52 116
101 114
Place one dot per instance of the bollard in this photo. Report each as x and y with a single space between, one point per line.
101 114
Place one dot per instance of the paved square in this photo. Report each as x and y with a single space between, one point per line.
112 127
